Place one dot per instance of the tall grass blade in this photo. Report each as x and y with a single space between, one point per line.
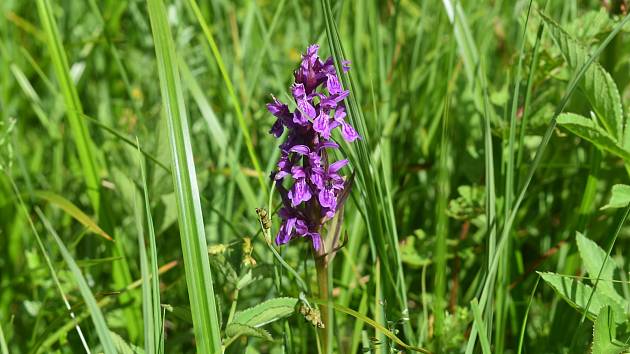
191 226
73 104
151 281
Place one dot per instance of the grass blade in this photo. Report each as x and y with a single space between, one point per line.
95 312
73 211
198 274
151 282
73 105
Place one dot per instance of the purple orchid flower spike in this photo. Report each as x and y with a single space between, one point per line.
316 190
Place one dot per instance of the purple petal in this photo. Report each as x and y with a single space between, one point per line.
348 133
299 93
345 65
300 192
340 114
280 175
333 85
321 125
314 159
316 239
300 149
298 172
317 177
336 166
312 49
327 198
327 145
277 108
284 233
299 118
329 213
300 228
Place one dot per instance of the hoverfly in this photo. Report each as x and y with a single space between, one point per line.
263 216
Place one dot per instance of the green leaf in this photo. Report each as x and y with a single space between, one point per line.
593 257
266 312
597 84
620 197
577 295
73 211
191 226
589 130
239 329
604 331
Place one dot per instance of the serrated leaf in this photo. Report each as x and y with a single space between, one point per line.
266 312
620 197
577 295
593 257
597 84
589 130
238 329
604 332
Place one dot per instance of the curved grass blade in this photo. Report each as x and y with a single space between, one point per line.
95 312
73 211
371 322
196 263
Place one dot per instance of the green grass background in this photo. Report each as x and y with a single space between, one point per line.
139 137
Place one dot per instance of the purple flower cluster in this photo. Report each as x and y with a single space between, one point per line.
317 189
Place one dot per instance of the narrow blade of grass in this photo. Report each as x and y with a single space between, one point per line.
151 282
74 109
481 327
95 312
198 274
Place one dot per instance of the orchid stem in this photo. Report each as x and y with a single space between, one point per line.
321 265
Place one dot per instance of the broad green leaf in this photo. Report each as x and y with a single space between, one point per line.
203 307
597 84
73 211
620 197
577 295
593 257
266 312
587 129
239 329
604 331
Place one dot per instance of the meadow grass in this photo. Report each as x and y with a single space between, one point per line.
494 152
